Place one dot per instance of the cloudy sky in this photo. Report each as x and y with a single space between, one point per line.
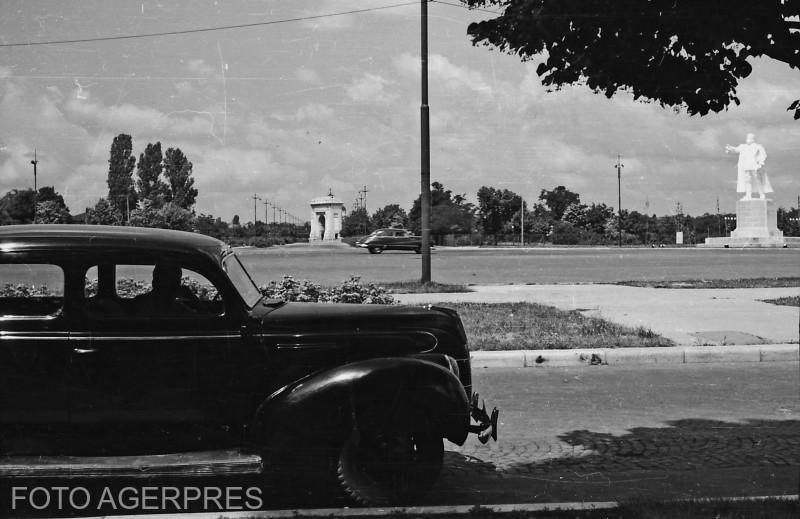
289 110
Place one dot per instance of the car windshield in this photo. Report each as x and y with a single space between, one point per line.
241 280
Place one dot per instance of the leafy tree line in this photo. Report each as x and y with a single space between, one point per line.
558 216
20 206
162 193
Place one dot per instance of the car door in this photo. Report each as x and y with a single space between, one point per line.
152 366
34 347
405 240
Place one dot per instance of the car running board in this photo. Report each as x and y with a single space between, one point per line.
185 464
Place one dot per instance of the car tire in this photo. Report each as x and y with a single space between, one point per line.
375 250
389 468
418 250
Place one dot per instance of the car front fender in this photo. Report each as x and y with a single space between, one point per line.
328 403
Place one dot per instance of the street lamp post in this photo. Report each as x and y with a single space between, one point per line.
35 161
425 143
619 199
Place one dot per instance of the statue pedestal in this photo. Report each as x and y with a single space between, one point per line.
756 226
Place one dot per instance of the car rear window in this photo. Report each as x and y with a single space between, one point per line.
30 289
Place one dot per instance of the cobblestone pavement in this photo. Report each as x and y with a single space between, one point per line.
685 446
637 441
691 458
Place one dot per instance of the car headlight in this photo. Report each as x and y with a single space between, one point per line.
453 364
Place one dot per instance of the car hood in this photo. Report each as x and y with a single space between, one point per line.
378 327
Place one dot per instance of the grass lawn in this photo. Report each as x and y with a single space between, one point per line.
789 282
784 301
417 287
531 326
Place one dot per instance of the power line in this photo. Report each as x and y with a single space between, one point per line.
462 6
207 29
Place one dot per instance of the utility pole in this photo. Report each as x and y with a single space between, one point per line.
522 222
35 161
255 197
425 138
266 211
619 167
719 227
363 196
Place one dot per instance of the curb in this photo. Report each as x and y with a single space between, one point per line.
635 356
412 511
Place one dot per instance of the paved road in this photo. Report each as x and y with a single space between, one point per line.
607 433
536 265
603 433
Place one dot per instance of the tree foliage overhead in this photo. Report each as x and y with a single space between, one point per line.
680 53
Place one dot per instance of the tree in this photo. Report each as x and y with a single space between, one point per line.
151 188
167 216
206 224
449 214
48 194
496 208
558 200
50 211
356 223
121 191
596 217
679 53
104 213
391 215
20 206
179 182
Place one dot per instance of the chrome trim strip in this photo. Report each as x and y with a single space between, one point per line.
32 336
138 338
316 339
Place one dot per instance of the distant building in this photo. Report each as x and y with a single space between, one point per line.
327 213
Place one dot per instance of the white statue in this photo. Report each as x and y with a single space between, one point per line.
751 175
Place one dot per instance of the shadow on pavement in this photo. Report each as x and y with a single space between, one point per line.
687 459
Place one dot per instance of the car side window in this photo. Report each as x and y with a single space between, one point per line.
31 289
150 291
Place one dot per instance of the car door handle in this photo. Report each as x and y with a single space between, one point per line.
83 351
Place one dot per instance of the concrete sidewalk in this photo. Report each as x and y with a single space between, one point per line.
690 317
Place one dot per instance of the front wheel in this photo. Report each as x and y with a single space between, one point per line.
389 468
374 250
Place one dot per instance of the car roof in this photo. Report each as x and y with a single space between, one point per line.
103 237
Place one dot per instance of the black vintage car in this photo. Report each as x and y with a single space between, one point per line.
102 374
390 239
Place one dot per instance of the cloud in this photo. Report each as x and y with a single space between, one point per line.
369 88
306 74
348 21
313 111
443 73
200 67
